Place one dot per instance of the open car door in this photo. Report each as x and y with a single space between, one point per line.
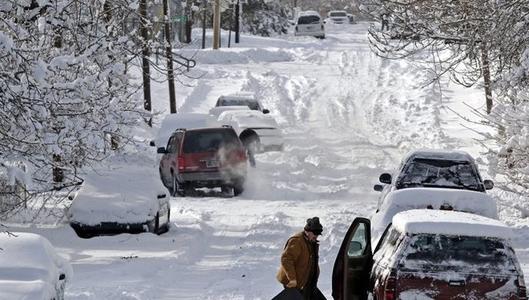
350 275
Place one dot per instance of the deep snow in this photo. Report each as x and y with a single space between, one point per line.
347 116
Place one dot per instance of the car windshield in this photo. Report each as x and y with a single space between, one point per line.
338 14
469 253
209 140
252 104
308 20
439 173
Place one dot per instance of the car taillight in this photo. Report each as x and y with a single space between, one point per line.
391 286
522 291
181 163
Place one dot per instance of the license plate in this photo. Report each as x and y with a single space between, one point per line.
212 163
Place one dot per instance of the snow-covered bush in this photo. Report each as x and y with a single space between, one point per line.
63 87
265 18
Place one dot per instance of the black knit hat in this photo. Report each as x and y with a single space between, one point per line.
314 226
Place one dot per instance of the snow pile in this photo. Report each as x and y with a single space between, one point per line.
238 55
449 223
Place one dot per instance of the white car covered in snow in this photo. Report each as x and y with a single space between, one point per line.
309 23
257 131
127 198
30 268
337 17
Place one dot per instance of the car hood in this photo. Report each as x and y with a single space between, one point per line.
125 195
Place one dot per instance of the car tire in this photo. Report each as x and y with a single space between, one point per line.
238 188
251 144
177 189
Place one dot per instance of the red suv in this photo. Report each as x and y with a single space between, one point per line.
429 254
206 157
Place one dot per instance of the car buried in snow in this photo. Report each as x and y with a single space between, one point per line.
125 199
30 268
455 170
429 254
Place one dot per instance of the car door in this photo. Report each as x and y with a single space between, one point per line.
169 157
350 276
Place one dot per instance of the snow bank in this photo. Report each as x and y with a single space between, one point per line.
238 55
449 223
247 119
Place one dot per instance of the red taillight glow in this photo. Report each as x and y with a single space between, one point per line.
181 163
391 286
241 155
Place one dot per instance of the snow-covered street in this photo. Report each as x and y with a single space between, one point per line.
347 115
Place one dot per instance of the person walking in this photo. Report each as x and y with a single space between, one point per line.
299 261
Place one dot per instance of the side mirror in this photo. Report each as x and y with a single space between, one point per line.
489 184
385 178
62 276
152 143
161 150
378 187
266 111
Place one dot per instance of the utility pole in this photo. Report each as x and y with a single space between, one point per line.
237 22
204 16
145 59
216 25
169 55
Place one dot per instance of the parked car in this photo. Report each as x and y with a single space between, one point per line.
309 23
337 17
125 199
241 99
30 268
434 169
429 254
257 132
434 198
205 157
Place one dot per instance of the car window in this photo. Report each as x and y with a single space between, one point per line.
358 243
338 14
481 254
170 145
252 104
303 20
209 140
439 173
389 244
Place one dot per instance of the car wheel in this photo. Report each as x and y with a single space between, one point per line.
227 190
177 189
238 189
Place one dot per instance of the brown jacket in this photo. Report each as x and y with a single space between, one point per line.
296 261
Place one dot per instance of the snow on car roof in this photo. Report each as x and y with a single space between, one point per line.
449 223
182 120
29 257
125 194
455 155
420 198
35 289
247 119
308 13
217 110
